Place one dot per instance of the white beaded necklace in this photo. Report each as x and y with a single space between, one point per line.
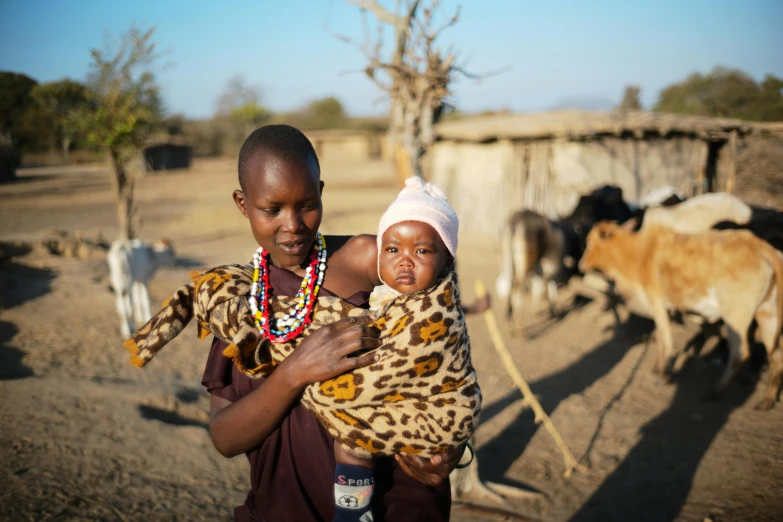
286 328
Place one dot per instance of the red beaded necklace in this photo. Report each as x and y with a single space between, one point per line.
289 327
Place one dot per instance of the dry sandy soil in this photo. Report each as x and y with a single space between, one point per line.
86 436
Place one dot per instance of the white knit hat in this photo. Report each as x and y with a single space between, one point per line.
425 202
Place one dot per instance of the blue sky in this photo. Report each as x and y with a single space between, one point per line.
559 52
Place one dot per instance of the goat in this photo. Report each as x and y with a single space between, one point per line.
534 247
698 214
131 266
547 251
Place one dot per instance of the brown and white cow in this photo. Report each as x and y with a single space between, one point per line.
729 275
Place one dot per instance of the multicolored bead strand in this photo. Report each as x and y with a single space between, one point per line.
286 328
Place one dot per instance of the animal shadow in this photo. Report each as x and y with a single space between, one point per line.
536 330
187 262
168 417
497 456
188 395
20 283
11 365
654 480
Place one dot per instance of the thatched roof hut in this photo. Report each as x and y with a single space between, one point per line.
493 165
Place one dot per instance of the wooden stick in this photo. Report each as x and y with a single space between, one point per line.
732 181
530 399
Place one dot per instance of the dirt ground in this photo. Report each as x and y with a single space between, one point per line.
87 436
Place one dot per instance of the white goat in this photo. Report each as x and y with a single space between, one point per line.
131 266
657 196
699 214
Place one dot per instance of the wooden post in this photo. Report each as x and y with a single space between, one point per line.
701 169
529 399
402 165
731 183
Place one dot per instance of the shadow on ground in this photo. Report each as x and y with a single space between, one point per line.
169 417
11 365
18 282
655 478
499 454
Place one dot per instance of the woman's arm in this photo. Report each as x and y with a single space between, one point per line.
242 425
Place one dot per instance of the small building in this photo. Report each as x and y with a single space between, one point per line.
346 145
493 165
168 153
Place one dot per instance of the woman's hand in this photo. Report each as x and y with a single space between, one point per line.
479 306
324 353
432 471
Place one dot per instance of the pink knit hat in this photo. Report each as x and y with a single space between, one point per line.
425 202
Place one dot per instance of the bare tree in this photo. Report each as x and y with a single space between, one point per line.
416 74
238 93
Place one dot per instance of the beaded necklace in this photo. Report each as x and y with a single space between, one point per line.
286 328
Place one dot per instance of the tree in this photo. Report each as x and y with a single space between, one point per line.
326 113
239 111
416 75
725 93
125 105
250 116
237 94
14 102
65 101
630 101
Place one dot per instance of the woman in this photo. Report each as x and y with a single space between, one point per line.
291 457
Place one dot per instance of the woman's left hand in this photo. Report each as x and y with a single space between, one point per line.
432 471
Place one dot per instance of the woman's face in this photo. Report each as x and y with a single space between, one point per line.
282 200
412 256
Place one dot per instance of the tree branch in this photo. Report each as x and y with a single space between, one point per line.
378 11
474 76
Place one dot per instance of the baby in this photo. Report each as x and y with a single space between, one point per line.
417 243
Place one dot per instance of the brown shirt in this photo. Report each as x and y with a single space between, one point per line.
292 471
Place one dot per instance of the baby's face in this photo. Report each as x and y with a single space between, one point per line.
412 256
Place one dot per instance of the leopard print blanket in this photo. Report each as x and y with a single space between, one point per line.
421 397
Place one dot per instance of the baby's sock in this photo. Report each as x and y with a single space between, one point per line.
353 488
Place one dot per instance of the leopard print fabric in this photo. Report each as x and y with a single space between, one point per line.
420 398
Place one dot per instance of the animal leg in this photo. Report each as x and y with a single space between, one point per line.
125 309
141 303
551 295
663 331
737 320
739 352
518 251
769 324
775 380
516 304
536 290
